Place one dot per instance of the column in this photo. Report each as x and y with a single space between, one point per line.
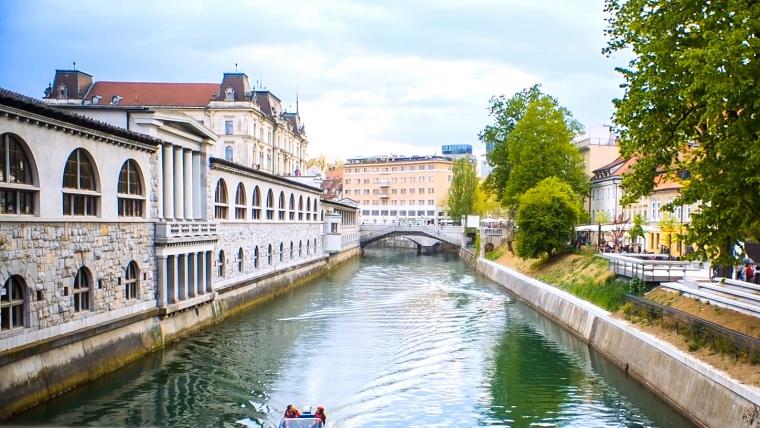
197 186
161 283
187 163
182 276
168 185
171 264
209 272
192 274
179 196
201 271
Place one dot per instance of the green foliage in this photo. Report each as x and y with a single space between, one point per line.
609 294
637 230
507 113
463 189
690 104
496 253
546 219
636 286
602 217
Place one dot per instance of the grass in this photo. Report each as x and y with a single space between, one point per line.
608 293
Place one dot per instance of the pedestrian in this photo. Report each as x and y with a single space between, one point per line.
749 273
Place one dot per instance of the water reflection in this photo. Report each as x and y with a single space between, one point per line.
393 340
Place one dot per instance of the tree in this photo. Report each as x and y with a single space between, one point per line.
486 202
689 112
540 146
670 230
463 189
546 219
637 229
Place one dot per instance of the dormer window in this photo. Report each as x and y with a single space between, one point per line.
115 100
63 91
229 94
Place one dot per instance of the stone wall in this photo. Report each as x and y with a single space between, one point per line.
708 397
48 256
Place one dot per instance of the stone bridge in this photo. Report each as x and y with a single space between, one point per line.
370 233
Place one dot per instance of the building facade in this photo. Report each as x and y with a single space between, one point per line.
255 130
398 189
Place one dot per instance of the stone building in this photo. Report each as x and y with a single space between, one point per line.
254 128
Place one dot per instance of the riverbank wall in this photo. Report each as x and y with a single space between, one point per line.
47 368
705 395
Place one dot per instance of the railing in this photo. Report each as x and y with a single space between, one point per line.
649 270
450 234
493 231
704 332
185 229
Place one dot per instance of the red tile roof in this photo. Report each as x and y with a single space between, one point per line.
155 94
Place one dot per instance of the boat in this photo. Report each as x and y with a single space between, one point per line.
302 422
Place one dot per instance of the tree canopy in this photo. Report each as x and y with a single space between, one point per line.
690 110
546 218
531 138
463 190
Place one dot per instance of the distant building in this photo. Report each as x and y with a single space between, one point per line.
459 151
332 185
598 147
398 189
254 129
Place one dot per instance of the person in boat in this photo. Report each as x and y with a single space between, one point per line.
320 413
292 412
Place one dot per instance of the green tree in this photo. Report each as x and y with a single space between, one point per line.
486 202
689 111
546 219
463 189
637 229
506 114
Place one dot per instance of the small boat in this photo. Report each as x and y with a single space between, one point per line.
302 422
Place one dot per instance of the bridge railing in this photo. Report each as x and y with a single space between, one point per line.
450 234
650 270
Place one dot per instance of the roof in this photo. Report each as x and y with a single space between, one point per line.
616 168
232 165
33 105
155 93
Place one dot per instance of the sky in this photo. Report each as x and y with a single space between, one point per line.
372 77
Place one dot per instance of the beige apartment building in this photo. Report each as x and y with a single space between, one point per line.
392 189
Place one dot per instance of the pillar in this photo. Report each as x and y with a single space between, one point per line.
192 274
201 271
161 283
179 195
182 277
171 264
168 185
197 185
209 272
187 163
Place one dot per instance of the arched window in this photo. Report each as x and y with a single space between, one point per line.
16 177
316 209
300 207
12 307
80 195
256 201
240 202
281 206
315 246
292 208
308 209
130 191
300 248
256 256
220 200
308 247
81 291
291 250
241 258
270 205
220 264
282 252
228 153
269 254
132 281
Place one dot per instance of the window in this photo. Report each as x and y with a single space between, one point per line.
220 200
256 256
240 207
431 190
315 209
12 308
16 178
81 292
240 259
131 281
300 208
79 187
229 153
269 254
220 264
256 199
308 209
281 206
315 245
292 208
308 247
228 128
282 252
130 191
300 248
270 205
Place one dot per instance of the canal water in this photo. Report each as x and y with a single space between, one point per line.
388 340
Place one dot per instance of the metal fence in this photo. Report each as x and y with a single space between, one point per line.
702 332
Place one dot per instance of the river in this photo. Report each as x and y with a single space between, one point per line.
388 340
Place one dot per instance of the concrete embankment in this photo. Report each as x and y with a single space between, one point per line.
38 372
707 396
